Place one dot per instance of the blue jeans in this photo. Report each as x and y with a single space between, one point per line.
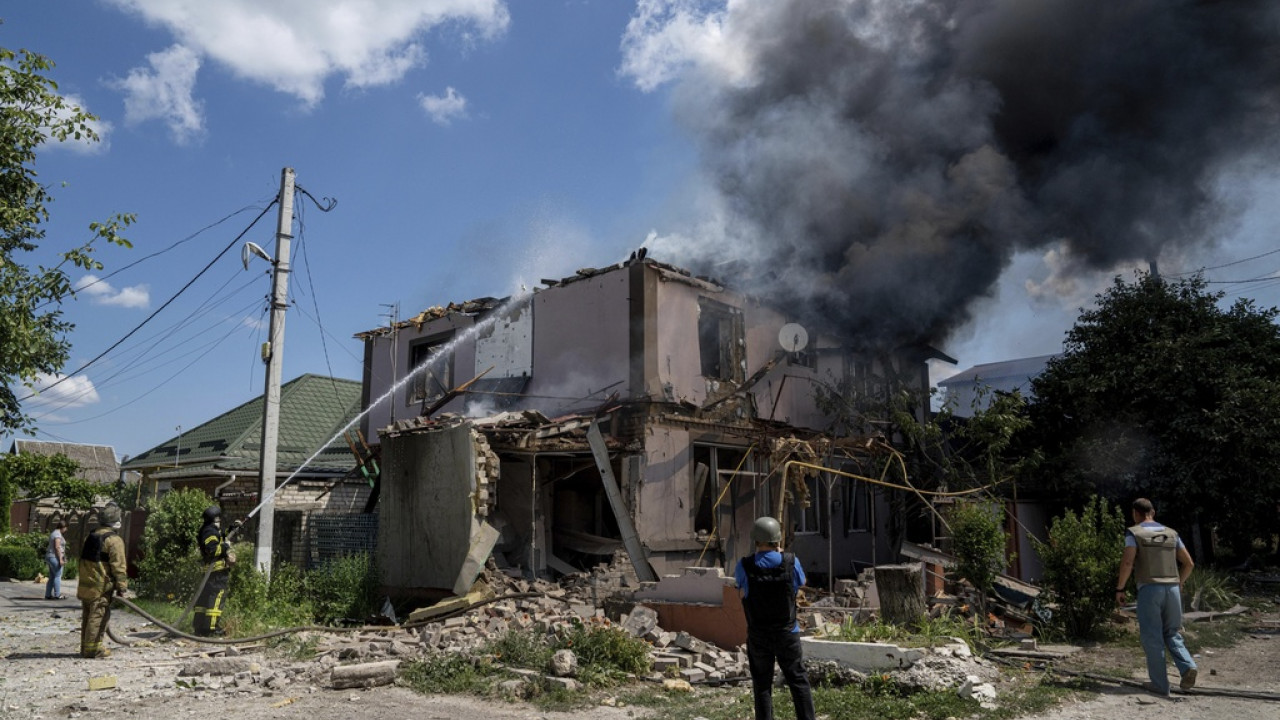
53 588
1159 620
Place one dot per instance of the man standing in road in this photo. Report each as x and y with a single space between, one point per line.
1156 556
768 581
103 575
218 559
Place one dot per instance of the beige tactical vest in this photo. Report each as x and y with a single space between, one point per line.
1157 560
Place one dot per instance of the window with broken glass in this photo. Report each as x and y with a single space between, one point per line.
857 506
720 340
808 520
721 474
431 382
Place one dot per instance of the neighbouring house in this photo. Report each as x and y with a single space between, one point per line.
98 465
632 407
222 457
972 389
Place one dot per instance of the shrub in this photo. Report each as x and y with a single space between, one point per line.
605 653
1081 564
255 604
978 542
344 587
20 562
170 567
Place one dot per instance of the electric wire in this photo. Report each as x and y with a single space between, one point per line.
157 253
140 358
157 386
158 310
315 302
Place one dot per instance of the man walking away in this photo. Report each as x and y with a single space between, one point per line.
103 574
769 580
1156 556
218 559
55 557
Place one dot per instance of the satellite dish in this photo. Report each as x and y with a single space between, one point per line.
793 338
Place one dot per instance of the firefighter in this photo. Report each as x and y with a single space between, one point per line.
103 574
218 558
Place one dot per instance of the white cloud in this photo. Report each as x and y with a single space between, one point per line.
164 92
102 293
83 145
72 392
444 109
665 37
294 45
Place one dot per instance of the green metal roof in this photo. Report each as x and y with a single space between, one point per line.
313 408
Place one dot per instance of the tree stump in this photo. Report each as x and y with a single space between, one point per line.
901 591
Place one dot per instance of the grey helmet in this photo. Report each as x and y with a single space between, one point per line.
109 516
212 513
766 530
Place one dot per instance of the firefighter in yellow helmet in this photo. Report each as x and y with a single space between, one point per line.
103 575
218 559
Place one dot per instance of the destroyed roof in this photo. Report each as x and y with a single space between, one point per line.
486 304
97 462
313 408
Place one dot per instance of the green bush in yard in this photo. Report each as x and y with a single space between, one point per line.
978 542
1081 564
344 587
20 562
170 568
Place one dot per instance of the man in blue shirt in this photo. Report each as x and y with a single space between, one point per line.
1155 555
768 581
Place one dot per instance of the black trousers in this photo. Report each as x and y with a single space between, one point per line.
763 649
209 606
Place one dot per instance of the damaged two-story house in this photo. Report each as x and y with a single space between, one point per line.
630 407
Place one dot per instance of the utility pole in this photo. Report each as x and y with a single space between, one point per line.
273 355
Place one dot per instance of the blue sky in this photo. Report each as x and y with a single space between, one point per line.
472 146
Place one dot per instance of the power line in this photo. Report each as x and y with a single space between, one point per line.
158 310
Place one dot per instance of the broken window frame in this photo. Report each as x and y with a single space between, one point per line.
721 341
858 497
430 384
809 520
719 474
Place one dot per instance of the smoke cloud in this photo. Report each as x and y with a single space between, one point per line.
877 163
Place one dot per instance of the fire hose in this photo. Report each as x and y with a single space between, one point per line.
171 630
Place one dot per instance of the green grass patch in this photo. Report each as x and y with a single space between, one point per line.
1220 633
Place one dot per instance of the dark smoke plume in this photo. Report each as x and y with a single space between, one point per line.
888 157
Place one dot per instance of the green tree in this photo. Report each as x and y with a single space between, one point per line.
1081 563
43 476
1162 392
170 557
978 542
32 330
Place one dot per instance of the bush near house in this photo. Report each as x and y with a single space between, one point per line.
1081 564
978 542
19 562
170 567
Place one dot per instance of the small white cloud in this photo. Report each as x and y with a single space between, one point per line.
102 293
444 109
70 392
164 92
255 323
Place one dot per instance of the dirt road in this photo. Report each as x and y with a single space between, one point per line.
42 677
